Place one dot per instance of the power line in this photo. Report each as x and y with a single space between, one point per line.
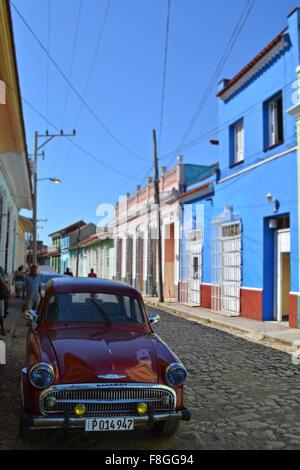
98 42
236 32
164 75
72 60
218 128
115 191
73 88
47 65
67 99
83 150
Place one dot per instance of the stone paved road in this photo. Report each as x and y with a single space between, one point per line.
242 395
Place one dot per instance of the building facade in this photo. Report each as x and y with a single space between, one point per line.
57 237
70 248
15 179
250 252
255 251
195 244
136 235
96 252
25 229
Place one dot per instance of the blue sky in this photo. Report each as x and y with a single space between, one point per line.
125 88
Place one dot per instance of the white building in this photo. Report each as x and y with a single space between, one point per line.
135 231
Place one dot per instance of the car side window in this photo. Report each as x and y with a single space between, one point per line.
138 311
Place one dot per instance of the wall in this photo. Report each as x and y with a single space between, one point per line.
8 205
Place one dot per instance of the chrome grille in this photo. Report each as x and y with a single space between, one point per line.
108 400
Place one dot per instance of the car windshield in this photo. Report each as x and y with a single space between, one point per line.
94 307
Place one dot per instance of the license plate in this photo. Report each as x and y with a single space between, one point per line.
109 424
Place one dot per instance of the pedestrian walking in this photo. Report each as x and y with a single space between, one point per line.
68 272
33 288
92 273
18 281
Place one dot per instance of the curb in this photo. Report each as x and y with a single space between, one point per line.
212 322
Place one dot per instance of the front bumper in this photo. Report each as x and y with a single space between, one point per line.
45 422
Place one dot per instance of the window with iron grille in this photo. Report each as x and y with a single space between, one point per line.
231 230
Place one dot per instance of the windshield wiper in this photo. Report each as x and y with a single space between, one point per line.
108 320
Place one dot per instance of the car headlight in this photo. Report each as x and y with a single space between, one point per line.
41 375
175 374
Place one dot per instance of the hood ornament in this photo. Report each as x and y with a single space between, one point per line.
111 376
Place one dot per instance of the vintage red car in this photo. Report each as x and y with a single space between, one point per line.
93 361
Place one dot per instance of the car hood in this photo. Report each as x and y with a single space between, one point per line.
89 355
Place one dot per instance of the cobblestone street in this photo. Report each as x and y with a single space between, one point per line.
242 395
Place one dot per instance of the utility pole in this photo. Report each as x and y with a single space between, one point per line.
157 205
34 235
48 137
78 251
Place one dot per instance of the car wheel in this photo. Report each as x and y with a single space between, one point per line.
26 434
165 428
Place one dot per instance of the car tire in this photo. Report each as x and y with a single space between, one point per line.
26 434
165 428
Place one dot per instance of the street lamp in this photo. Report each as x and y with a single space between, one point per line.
53 180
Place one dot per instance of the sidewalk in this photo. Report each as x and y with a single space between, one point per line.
274 331
10 322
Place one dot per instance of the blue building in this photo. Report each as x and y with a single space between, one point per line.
250 254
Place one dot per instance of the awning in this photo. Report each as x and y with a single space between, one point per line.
194 173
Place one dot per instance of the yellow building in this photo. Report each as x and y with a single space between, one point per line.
15 180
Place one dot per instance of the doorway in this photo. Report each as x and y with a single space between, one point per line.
283 274
231 248
169 262
194 267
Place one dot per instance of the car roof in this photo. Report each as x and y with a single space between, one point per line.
48 273
87 284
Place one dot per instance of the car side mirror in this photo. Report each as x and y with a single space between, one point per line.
153 317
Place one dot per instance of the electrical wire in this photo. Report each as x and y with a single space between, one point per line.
93 63
83 150
47 63
219 128
74 89
74 48
75 41
116 192
236 32
98 42
164 75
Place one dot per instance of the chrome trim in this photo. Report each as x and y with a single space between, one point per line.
175 365
104 386
111 376
42 422
36 366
